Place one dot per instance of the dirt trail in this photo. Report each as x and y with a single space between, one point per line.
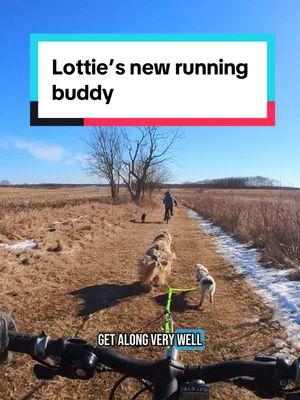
92 288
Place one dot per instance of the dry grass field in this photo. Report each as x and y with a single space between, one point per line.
38 198
22 209
268 218
82 279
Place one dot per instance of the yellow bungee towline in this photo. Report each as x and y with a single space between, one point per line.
169 323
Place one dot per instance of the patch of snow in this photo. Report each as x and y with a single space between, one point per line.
254 320
279 343
26 245
280 293
60 222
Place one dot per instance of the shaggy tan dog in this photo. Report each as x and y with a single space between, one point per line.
157 263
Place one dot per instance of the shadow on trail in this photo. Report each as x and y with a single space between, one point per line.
146 222
179 302
99 297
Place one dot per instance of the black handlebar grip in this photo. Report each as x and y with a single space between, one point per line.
21 343
231 369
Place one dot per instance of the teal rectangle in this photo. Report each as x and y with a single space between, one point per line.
271 68
192 331
33 68
148 37
35 38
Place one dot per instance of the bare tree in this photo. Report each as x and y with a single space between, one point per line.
146 156
157 176
105 156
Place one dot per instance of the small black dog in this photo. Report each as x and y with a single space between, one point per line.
143 217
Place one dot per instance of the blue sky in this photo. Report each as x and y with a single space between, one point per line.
52 154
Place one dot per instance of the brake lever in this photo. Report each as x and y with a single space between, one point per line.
73 362
260 387
43 372
266 392
292 396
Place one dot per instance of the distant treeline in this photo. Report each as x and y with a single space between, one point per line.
53 185
237 182
243 182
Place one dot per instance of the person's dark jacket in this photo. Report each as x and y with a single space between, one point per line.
169 201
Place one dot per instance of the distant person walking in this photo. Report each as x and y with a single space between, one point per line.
169 202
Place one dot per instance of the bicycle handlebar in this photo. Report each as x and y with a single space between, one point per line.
77 359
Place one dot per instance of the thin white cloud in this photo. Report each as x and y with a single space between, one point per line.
77 159
39 150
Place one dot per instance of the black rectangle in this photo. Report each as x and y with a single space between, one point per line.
36 121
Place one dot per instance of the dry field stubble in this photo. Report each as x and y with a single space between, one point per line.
268 218
82 280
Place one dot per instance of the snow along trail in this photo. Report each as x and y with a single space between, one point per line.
26 245
280 293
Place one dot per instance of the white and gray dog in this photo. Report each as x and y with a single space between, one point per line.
205 282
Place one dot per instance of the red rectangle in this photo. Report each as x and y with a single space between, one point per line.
268 121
